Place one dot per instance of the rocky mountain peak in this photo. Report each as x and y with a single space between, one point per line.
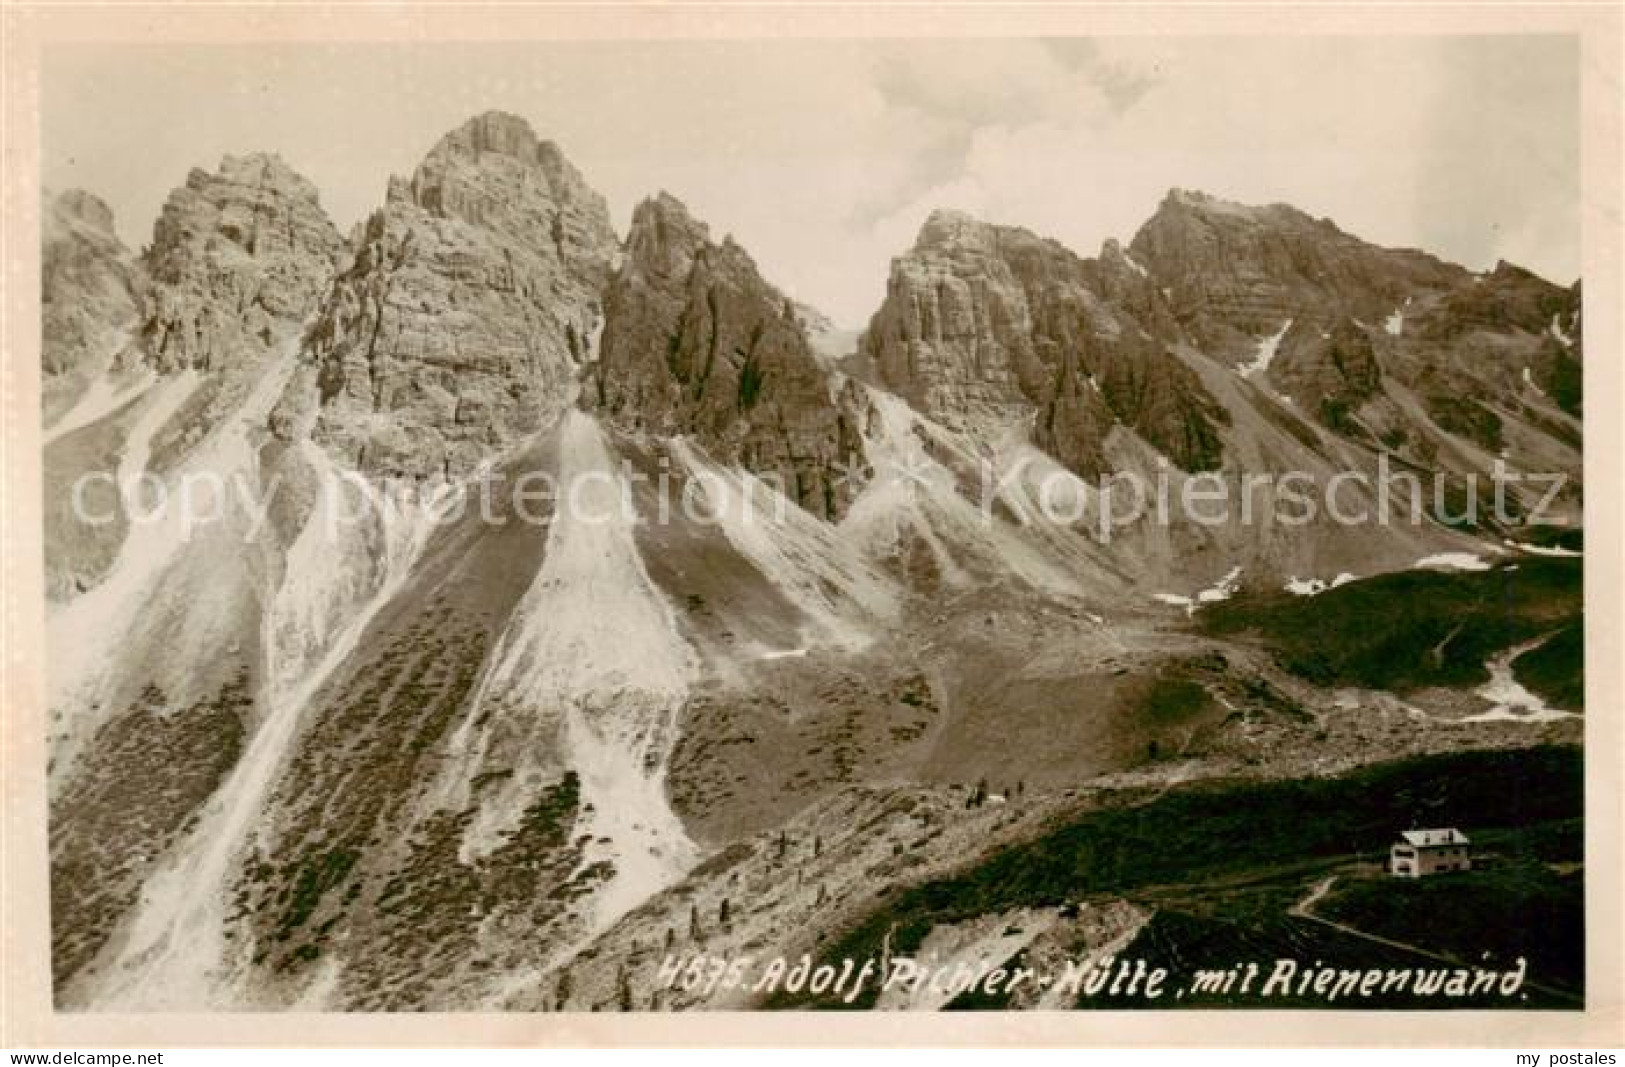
1115 258
664 237
254 205
1195 202
79 208
475 293
90 295
239 257
698 343
951 228
1235 273
495 172
1183 207
501 132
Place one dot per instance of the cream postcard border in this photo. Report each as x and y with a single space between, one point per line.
29 31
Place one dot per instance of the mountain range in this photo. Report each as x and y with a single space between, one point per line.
515 760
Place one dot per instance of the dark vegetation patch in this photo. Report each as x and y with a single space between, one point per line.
143 778
1223 829
1408 629
1555 670
1523 899
1552 536
435 902
1287 421
1255 928
1514 903
1175 698
748 760
355 859
1562 381
1467 418
367 749
1561 429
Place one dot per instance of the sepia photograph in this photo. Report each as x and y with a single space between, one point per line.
1016 522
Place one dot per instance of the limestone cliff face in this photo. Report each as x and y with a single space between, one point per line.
698 343
1233 273
239 262
473 296
1329 373
90 292
989 325
1388 347
1385 346
237 257
1510 311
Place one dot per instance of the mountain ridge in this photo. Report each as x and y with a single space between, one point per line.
822 601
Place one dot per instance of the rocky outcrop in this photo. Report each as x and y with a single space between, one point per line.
698 343
238 257
1328 373
1234 273
90 295
984 326
1507 297
473 295
240 260
1391 348
1510 311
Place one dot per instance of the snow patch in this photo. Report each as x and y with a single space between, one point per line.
1452 561
1546 550
772 654
1265 355
1223 589
595 337
1509 700
1561 334
1395 323
1316 586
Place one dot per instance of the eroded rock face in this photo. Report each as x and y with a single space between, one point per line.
1233 273
698 343
238 257
473 296
988 325
1390 348
1487 314
90 293
1329 373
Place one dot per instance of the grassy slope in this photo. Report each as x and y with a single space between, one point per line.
1408 629
1512 902
1217 829
1556 669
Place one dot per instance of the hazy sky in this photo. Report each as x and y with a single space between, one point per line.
823 157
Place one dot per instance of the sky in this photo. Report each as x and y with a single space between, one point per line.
822 158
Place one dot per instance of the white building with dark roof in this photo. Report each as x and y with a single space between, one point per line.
1419 853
